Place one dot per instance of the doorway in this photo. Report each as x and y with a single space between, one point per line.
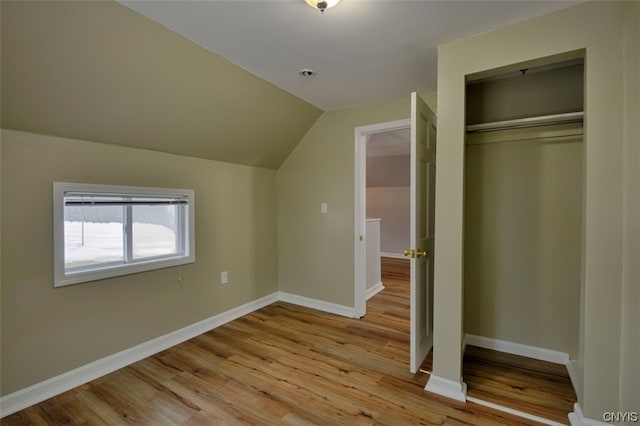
387 146
422 127
387 209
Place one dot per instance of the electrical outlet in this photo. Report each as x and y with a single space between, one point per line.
224 277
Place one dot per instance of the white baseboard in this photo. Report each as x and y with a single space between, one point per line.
39 392
517 349
372 291
448 388
575 375
44 390
577 418
393 255
518 413
320 305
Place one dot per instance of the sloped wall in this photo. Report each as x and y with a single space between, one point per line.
98 71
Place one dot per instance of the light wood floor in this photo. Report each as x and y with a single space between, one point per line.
395 269
536 387
282 364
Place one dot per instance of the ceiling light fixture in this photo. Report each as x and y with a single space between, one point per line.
322 5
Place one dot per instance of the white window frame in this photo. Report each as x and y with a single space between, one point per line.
186 243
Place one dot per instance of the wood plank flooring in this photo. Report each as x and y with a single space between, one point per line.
536 387
282 364
395 269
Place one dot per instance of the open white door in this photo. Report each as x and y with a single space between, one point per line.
423 155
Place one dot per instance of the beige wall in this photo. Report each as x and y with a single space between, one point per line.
392 170
537 92
391 204
595 27
522 249
630 354
388 199
316 252
47 331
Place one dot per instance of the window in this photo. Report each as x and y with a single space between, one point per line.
102 231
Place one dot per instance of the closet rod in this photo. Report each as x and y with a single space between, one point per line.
520 123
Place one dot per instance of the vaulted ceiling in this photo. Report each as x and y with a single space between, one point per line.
361 50
219 79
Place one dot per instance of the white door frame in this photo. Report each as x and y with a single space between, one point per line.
360 210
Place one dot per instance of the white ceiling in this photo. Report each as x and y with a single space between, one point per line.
361 50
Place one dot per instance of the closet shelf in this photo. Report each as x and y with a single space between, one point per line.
521 123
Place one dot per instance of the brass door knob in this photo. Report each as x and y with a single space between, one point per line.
415 253
421 253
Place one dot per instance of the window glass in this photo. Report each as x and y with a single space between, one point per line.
93 235
155 230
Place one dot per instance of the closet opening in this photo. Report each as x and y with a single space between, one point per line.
524 180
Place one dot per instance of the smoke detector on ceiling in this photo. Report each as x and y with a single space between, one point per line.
307 73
